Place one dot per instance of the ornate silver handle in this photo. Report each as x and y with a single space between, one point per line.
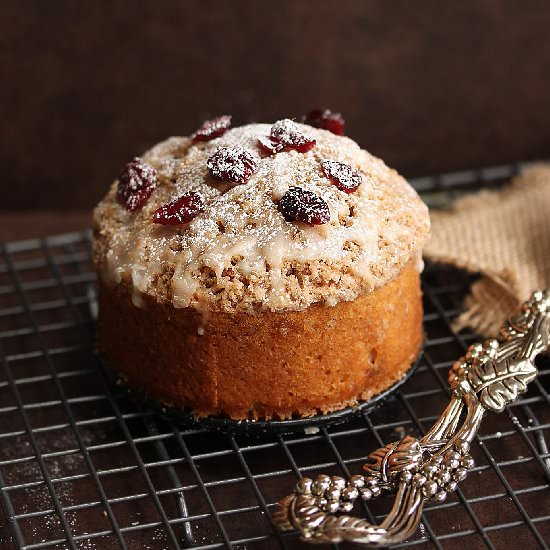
489 377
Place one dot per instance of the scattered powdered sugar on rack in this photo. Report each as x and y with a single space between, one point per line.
37 498
64 464
240 253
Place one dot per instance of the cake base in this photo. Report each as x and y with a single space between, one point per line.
187 419
266 365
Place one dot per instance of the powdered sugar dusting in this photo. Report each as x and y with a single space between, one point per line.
241 253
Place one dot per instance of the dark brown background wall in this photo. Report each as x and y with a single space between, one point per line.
429 86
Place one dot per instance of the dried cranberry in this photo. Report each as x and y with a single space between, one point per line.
288 134
233 164
325 119
211 129
270 146
342 175
136 182
180 211
300 205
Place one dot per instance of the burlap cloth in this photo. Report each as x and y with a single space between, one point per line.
505 236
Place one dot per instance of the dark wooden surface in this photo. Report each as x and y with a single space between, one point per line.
428 86
28 224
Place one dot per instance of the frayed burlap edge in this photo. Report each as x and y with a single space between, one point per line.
484 231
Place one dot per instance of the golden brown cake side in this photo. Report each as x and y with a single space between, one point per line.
265 364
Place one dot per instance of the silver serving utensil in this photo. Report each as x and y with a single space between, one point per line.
488 378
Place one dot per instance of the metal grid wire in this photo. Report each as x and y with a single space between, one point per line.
84 466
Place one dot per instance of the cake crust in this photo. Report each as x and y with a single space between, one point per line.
265 364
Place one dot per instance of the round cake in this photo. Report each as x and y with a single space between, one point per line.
262 271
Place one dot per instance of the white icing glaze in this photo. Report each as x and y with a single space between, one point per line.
241 234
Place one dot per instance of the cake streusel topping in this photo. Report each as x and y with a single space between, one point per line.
239 252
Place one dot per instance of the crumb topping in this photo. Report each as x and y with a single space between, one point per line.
239 252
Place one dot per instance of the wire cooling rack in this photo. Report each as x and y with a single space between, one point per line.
82 465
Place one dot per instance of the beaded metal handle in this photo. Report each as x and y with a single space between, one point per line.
489 377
